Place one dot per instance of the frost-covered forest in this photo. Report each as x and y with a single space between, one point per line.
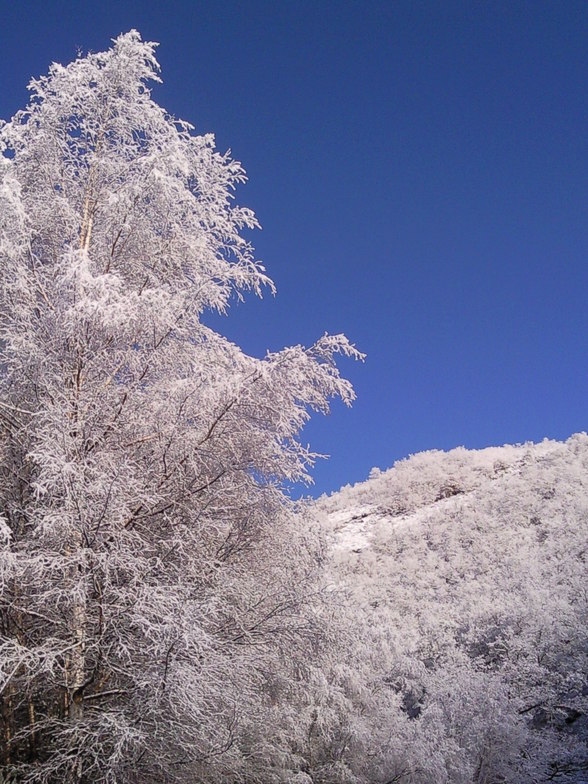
467 573
167 614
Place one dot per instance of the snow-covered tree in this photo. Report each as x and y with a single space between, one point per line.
150 577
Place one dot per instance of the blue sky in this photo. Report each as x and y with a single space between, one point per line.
420 172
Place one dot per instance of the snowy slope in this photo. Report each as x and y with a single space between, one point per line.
427 482
469 568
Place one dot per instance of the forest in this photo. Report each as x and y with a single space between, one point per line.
167 613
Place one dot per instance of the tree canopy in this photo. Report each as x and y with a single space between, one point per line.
150 577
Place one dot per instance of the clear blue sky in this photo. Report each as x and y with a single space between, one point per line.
420 171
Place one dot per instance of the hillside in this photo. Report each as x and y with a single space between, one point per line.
466 575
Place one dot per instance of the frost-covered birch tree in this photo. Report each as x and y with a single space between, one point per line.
150 581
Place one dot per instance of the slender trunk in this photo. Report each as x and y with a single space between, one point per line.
7 716
32 723
87 222
75 666
90 201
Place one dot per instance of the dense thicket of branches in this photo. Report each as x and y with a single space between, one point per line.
151 584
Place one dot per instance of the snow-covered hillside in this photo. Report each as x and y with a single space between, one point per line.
467 573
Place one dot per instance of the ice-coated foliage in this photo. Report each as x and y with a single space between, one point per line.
465 581
154 591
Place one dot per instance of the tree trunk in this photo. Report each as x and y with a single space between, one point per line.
75 664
